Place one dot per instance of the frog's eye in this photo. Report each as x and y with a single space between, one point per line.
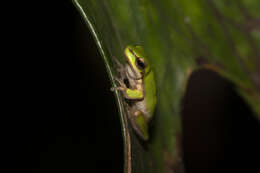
140 63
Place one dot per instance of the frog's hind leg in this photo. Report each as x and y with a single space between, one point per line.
139 123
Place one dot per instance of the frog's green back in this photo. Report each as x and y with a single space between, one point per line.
150 92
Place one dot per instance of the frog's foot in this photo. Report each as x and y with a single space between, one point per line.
122 86
119 67
121 83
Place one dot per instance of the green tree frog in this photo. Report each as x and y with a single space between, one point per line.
137 84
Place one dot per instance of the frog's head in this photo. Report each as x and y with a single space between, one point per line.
137 60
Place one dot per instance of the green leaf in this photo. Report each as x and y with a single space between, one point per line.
179 36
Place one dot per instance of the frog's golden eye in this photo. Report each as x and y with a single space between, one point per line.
140 63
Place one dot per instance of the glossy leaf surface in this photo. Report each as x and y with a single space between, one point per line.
178 37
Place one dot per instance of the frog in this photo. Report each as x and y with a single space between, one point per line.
137 84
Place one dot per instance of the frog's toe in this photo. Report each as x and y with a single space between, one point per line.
117 88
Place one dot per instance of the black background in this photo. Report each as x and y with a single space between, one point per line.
63 117
66 119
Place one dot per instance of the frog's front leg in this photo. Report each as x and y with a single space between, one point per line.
134 94
131 94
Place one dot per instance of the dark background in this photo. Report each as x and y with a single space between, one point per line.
67 117
64 118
